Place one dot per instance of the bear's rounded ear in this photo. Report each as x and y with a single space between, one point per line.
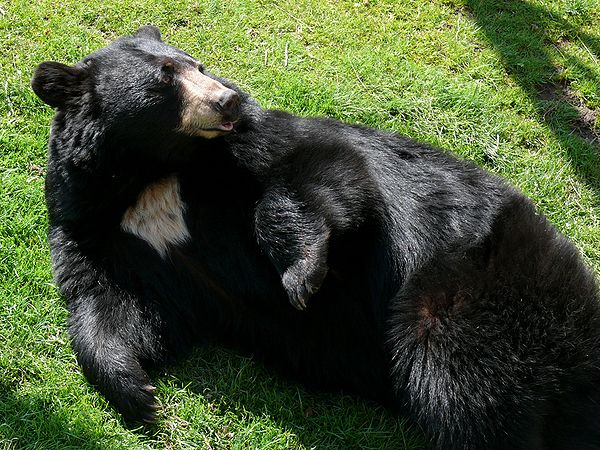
149 32
56 83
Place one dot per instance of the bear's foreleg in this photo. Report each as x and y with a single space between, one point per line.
112 331
108 339
296 240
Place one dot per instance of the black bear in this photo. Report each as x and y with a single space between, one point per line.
181 212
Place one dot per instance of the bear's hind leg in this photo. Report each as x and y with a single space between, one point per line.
459 367
495 353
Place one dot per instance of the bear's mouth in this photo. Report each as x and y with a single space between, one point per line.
226 126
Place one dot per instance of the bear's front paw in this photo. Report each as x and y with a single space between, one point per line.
136 402
143 406
301 280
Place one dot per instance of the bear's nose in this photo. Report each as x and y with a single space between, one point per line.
228 103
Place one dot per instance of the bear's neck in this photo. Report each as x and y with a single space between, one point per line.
256 144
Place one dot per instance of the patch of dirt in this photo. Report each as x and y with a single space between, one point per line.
586 120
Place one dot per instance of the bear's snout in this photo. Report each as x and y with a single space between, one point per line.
228 105
208 108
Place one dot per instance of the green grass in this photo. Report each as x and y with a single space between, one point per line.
502 83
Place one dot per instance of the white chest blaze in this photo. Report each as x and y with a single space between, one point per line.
157 216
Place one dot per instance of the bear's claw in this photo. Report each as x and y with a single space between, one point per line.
302 281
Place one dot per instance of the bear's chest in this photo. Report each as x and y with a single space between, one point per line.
157 216
202 227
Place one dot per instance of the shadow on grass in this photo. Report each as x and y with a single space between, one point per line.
318 420
31 423
517 31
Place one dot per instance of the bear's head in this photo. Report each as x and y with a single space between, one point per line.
140 83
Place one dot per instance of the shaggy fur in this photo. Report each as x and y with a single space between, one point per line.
346 256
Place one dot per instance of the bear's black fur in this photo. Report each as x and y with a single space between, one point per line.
348 257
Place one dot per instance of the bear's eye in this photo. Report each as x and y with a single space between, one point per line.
167 72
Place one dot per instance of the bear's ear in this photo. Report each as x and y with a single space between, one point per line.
56 83
149 32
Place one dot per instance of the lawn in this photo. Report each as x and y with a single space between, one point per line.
512 85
